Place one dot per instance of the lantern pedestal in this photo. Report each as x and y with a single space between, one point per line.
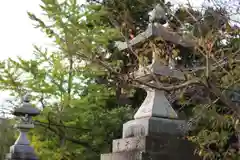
21 150
156 132
165 147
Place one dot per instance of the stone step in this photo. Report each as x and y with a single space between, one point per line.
131 155
139 155
153 126
152 143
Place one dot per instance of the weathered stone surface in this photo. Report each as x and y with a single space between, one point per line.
154 132
155 105
139 155
129 144
156 30
132 155
21 150
154 126
151 144
20 156
26 108
145 73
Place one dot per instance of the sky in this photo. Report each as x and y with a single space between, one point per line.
17 33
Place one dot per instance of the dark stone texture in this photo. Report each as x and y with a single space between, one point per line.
156 30
21 152
132 155
151 147
26 108
151 143
154 126
138 155
21 156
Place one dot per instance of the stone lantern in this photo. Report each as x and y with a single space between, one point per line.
156 132
21 150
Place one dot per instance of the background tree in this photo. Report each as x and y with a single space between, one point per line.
6 136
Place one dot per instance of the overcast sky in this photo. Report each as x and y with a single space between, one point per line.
16 30
17 34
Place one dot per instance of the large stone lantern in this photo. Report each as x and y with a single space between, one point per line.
156 132
21 150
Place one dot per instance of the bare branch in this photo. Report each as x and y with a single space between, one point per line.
170 88
76 141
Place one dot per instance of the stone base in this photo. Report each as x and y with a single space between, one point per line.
133 155
152 139
138 155
20 156
153 126
165 147
21 152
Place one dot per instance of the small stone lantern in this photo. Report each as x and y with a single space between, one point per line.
22 150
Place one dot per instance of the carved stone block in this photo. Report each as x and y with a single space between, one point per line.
156 30
153 126
132 155
155 105
128 144
151 144
139 155
165 147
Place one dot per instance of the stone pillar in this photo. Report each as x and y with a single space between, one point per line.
21 150
155 133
